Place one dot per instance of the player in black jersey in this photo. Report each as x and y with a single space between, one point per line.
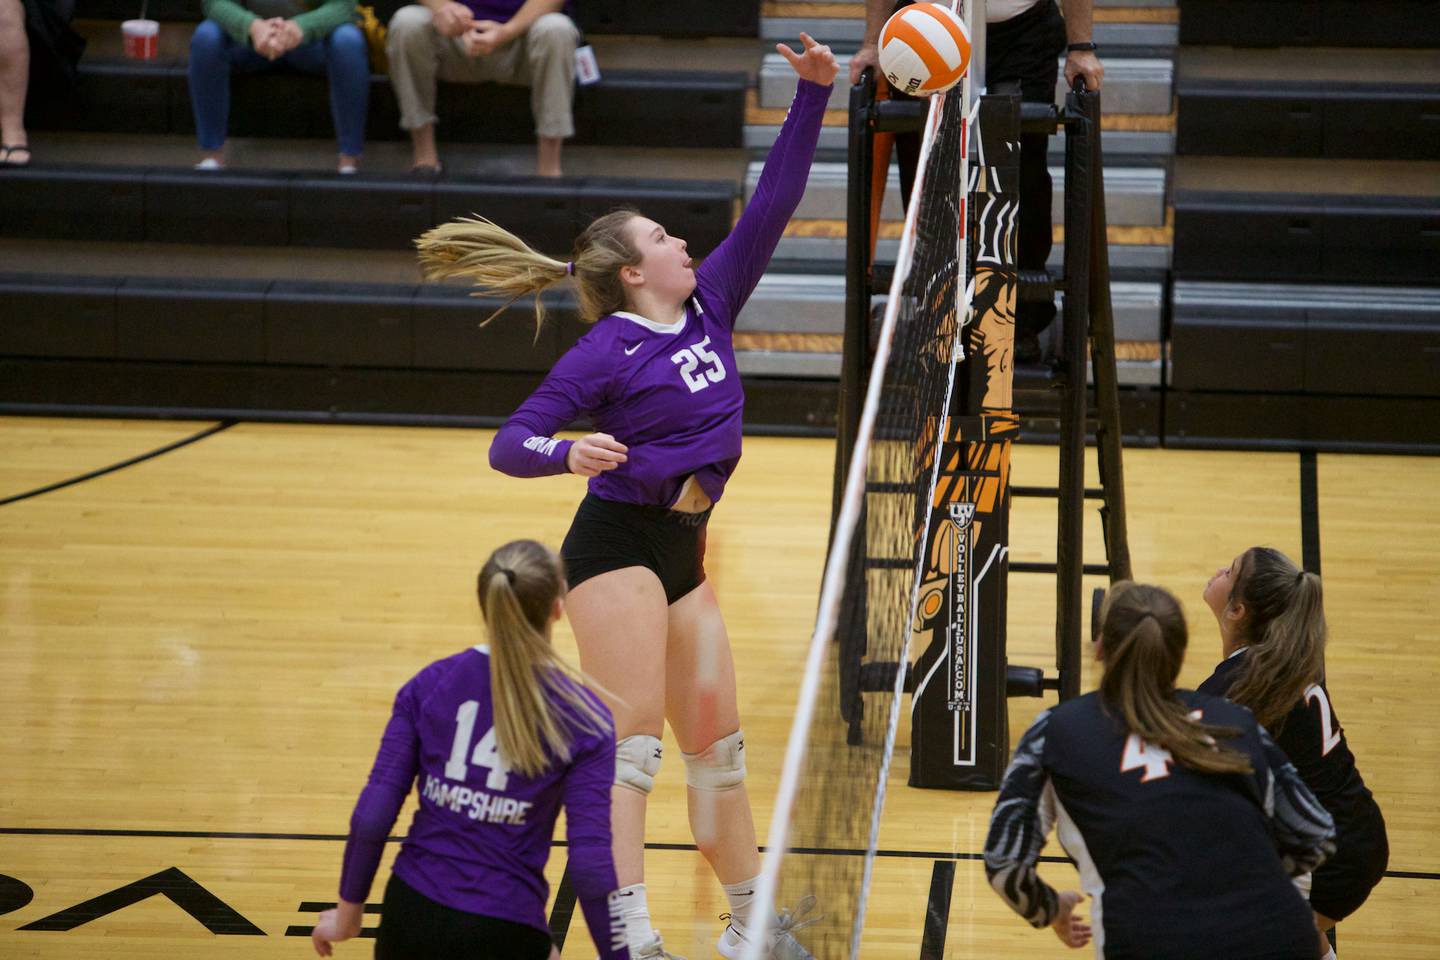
1272 630
1185 820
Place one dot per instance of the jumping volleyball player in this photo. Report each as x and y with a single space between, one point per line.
501 736
1272 633
1184 818
656 376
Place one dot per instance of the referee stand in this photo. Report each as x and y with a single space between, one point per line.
960 740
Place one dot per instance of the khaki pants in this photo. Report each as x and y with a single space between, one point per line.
543 60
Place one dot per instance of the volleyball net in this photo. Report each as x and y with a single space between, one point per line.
823 837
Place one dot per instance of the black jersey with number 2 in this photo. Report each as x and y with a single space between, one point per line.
1311 736
1178 864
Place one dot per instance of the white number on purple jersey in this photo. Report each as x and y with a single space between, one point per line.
689 360
485 754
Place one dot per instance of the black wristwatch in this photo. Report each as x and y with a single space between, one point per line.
1079 47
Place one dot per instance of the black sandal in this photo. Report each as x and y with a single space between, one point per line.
7 151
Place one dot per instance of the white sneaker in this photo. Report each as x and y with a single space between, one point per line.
783 945
209 163
654 950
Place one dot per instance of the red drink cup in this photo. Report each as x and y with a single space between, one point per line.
141 38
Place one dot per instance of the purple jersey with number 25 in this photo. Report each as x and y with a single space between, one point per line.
670 392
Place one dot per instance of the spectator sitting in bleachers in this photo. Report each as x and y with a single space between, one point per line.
524 42
38 53
249 36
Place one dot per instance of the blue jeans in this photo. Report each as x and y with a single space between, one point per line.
214 55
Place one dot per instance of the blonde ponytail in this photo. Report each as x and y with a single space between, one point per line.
539 701
1283 626
1143 638
497 261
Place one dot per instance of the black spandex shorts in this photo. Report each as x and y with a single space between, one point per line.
607 535
1344 881
414 927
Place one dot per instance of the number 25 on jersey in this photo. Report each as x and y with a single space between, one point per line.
689 360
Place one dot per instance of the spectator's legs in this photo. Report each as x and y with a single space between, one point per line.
416 51
550 70
210 88
345 59
14 76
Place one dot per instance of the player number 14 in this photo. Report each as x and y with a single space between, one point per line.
485 754
689 360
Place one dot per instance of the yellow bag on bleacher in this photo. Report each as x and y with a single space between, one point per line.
374 32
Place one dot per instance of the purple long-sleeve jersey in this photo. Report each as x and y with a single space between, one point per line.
670 392
482 833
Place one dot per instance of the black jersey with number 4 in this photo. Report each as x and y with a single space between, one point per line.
1311 736
1179 864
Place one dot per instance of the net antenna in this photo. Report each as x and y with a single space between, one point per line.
914 419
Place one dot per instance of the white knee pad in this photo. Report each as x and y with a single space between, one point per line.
637 760
720 766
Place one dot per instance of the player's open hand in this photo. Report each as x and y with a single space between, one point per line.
1073 931
592 455
817 64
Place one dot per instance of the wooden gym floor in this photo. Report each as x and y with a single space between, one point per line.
198 653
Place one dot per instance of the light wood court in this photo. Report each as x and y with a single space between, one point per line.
198 654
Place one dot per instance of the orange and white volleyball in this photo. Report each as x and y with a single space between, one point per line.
924 49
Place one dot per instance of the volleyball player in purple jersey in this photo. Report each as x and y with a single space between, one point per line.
656 377
500 736
1273 635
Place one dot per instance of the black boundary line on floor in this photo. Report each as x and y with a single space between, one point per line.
937 910
341 838
563 909
207 432
1309 512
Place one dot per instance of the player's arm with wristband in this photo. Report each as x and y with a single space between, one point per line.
525 447
1304 829
1018 828
731 272
592 862
390 781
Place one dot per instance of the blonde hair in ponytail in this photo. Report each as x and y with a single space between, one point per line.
497 261
1143 638
1284 628
529 681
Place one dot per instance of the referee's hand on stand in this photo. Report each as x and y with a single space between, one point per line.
592 455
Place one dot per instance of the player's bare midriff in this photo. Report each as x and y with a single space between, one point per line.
692 498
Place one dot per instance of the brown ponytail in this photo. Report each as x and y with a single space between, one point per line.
497 261
1143 639
518 587
1283 626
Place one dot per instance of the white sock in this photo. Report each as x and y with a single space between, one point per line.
1330 955
742 898
636 910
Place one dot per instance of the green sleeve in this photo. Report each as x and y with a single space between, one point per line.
233 18
317 24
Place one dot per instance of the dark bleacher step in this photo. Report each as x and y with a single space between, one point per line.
1266 118
328 210
1307 237
732 18
1310 23
627 107
298 350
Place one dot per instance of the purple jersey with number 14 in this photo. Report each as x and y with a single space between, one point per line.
481 834
670 392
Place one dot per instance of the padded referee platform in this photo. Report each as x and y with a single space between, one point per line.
732 18
327 210
628 107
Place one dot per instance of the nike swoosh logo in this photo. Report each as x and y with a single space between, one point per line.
632 350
